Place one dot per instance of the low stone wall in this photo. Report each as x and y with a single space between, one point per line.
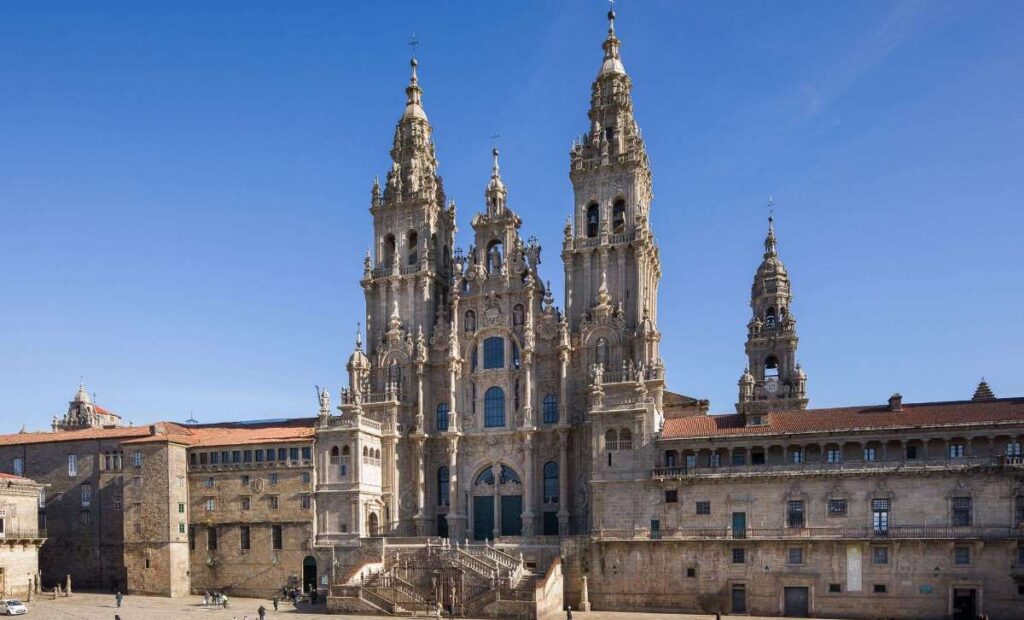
549 599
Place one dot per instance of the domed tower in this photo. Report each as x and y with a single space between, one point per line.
773 380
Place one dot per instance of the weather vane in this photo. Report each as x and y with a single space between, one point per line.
771 207
414 43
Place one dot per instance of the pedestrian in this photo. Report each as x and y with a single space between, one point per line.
568 612
718 615
119 597
262 611
206 598
275 602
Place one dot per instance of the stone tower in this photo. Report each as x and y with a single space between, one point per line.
408 277
773 380
612 266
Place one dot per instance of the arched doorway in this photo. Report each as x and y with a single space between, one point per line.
309 574
373 525
497 503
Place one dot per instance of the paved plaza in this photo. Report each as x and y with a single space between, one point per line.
88 606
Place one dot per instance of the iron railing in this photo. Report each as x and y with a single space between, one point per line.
898 532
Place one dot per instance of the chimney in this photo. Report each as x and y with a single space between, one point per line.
896 402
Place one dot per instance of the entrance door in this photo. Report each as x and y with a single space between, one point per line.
309 574
442 526
511 515
739 525
964 605
739 599
797 603
373 525
551 523
483 517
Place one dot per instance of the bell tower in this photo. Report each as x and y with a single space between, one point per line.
612 265
773 380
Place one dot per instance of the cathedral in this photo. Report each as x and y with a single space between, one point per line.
467 412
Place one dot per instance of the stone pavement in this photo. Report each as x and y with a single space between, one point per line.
87 606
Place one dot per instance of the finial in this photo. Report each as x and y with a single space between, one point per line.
611 16
769 241
494 152
359 336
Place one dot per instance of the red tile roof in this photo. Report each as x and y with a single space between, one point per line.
224 434
14 478
87 433
835 419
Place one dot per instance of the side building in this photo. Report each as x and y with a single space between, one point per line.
20 536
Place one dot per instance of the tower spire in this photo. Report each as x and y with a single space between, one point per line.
496 194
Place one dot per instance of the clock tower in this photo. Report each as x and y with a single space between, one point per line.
773 380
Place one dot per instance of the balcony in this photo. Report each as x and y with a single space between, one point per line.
1017 572
849 467
19 535
901 532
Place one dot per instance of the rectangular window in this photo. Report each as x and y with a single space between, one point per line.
798 456
796 555
307 453
304 501
911 453
956 450
691 461
245 481
181 508
137 459
715 460
243 535
19 467
214 458
208 483
1018 509
236 456
833 455
837 507
671 496
193 459
1013 448
739 555
282 454
211 504
225 457
72 465
273 478
117 502
181 527
276 537
247 456
259 456
211 538
137 482
880 555
961 514
739 457
42 498
494 352
304 477
869 454
880 588
691 572
293 454
880 516
703 508
273 501
757 458
835 588
961 556
795 513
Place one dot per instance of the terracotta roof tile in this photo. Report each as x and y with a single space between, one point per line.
89 433
850 418
223 434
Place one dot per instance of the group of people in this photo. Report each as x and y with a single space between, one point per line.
217 599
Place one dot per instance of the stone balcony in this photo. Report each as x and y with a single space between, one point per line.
840 468
22 535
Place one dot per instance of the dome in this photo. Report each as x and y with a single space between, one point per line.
612 65
82 396
358 360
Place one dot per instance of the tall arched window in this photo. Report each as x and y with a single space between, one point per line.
388 250
602 352
494 352
769 318
395 373
494 407
335 456
550 482
443 488
771 367
442 417
412 247
593 219
619 217
550 409
611 440
470 321
625 439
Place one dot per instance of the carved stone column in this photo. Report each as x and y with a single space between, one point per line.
421 517
456 512
528 492
563 482
496 472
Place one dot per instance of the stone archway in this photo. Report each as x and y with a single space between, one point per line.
373 525
497 502
309 574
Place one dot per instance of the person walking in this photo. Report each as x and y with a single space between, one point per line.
119 597
262 611
568 612
275 602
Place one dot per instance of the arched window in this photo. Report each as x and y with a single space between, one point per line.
518 315
366 452
602 352
470 321
388 250
550 482
515 355
335 456
769 318
345 452
550 409
509 475
442 417
494 352
593 219
625 439
376 456
494 407
671 456
443 488
485 477
395 373
611 440
412 247
619 217
771 367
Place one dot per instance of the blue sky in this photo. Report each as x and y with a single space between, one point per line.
184 186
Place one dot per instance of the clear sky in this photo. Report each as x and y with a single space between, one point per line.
184 185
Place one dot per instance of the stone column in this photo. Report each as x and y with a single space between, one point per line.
584 595
563 388
528 515
563 482
496 472
421 517
456 515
